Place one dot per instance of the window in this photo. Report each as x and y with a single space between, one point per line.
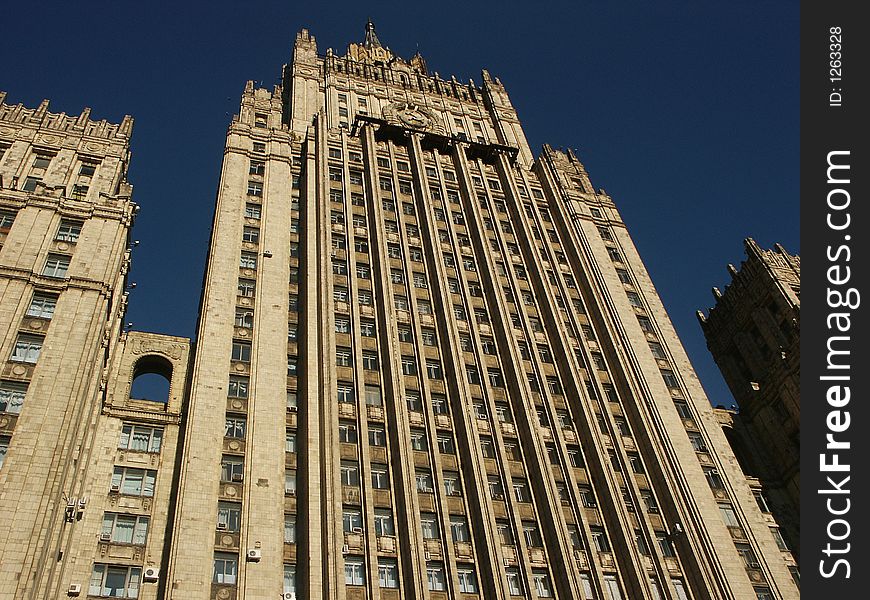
599 538
384 524
664 544
418 440
634 299
124 529
610 583
290 482
141 438
363 271
30 184
472 374
349 473
669 378
424 481
542 584
248 260
467 579
229 516
342 324
657 350
133 482
69 231
697 441
409 365
343 357
354 571
532 534
514 581
12 396
290 578
241 351
289 441
415 403
435 577
347 432
255 188
433 369
115 581
777 536
351 520
445 444
729 516
238 387
388 573
345 392
428 336
452 483
424 307
380 475
377 436
339 294
745 551
56 265
6 217
42 306
27 348
429 526
247 287
521 490
370 360
334 174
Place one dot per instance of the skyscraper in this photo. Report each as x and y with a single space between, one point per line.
428 365
753 332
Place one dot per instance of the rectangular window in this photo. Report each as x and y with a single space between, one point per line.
56 265
133 482
255 188
354 571
238 387
435 577
229 516
251 235
27 348
115 581
42 306
140 438
247 288
69 231
124 529
12 396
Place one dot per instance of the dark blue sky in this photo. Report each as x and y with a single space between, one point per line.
685 112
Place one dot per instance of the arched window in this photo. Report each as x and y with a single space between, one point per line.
151 378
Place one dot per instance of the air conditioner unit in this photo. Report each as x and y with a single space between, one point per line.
345 549
74 589
289 595
254 555
428 555
221 526
237 477
115 489
357 529
507 562
292 408
150 574
105 537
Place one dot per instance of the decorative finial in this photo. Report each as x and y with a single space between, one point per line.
371 40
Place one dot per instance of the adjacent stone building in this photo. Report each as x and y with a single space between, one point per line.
753 332
428 365
87 471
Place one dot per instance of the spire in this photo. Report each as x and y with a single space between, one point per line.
371 40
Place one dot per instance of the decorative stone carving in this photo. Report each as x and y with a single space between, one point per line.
408 114
173 351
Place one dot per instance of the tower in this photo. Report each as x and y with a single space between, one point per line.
753 332
440 362
86 470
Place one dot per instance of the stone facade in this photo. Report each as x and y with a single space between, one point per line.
429 365
87 473
753 332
